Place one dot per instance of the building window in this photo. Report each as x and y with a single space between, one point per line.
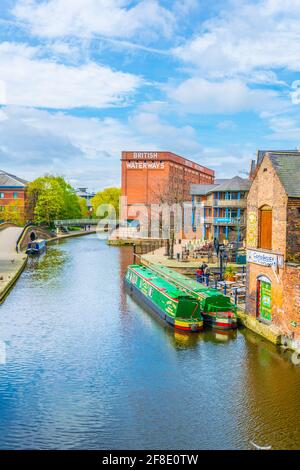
265 228
15 195
2 195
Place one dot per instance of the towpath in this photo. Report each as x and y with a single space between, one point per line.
11 263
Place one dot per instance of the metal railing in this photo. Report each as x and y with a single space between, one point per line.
76 222
224 221
235 203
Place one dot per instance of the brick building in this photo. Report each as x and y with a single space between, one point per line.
158 177
12 196
273 243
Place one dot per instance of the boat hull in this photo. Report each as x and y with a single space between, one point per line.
189 326
226 323
31 251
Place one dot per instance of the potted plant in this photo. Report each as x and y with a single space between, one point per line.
230 273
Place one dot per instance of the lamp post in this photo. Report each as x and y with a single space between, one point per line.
172 235
223 260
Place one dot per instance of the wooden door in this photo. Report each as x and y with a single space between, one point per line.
266 229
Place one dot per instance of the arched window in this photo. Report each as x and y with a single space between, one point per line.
265 228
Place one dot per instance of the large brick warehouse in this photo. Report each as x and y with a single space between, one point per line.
160 177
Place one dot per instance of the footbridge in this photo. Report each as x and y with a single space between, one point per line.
76 222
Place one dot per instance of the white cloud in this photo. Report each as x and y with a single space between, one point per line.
284 129
167 135
86 150
227 125
32 81
199 95
111 18
245 37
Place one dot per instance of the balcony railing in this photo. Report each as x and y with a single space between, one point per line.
225 221
235 203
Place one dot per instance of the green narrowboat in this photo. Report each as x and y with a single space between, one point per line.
175 306
216 308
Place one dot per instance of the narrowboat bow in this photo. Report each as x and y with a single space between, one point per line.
36 247
170 303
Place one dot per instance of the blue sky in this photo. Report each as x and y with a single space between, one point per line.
82 80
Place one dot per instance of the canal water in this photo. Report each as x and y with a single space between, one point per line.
88 368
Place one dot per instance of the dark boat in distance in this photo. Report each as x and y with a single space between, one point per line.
175 306
36 247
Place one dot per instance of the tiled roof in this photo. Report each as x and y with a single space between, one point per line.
234 184
201 189
8 180
262 153
287 167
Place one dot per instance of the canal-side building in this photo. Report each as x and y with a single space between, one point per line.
160 177
219 210
273 244
12 196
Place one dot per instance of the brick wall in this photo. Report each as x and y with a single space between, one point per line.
291 297
293 231
10 199
266 189
145 180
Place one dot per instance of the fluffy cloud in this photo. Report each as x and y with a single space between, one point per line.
201 96
33 81
85 150
111 18
284 129
249 36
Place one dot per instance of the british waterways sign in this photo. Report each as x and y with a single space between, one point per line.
265 259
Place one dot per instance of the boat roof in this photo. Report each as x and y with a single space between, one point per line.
194 286
159 282
38 240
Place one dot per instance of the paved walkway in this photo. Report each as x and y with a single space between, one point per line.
10 261
158 257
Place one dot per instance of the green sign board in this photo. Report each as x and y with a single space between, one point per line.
265 301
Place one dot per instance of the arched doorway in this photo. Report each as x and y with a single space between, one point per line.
264 299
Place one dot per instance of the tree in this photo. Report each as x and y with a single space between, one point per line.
51 197
83 208
14 212
107 196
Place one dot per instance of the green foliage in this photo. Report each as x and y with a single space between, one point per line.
83 208
107 196
230 273
51 197
14 212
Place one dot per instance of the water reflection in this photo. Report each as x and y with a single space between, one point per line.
48 264
89 368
